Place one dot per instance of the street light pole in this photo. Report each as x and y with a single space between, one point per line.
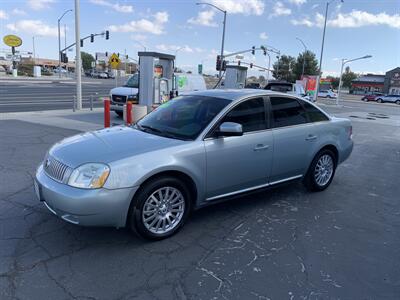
345 61
59 41
304 55
34 52
223 35
78 57
322 49
269 66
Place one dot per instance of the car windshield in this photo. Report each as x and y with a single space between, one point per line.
183 118
133 82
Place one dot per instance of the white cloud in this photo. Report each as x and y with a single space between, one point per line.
139 37
263 36
17 11
280 9
155 26
3 15
354 19
39 4
247 7
298 2
204 18
185 48
314 6
33 27
115 6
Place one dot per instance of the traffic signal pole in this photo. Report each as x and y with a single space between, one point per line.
78 68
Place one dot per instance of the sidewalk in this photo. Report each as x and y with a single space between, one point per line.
84 120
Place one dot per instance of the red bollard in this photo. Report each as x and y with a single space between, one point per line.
129 113
106 112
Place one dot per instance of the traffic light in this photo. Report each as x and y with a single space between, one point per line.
106 54
81 43
224 65
126 57
253 51
118 54
218 65
251 65
92 38
107 34
63 57
238 62
264 50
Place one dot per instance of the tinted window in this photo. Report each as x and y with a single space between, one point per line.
287 112
250 114
133 82
314 114
183 117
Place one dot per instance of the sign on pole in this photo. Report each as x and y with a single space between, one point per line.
12 40
114 61
200 69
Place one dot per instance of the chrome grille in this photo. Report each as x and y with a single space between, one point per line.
56 169
119 99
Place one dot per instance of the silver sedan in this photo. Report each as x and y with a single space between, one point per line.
192 151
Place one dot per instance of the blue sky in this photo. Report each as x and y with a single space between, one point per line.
355 28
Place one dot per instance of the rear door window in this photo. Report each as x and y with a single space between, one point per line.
287 112
314 114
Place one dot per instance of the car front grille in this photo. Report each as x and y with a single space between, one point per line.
119 99
56 169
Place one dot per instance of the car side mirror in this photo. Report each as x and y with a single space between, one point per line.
230 129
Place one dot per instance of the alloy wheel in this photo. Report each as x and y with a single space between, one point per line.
323 170
163 210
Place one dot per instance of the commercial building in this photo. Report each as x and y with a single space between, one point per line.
372 83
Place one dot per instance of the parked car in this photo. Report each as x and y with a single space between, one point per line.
192 151
252 85
289 88
183 83
110 75
102 75
327 94
371 97
389 98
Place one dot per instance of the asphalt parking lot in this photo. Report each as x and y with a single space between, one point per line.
285 243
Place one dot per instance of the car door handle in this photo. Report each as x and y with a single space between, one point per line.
260 147
311 137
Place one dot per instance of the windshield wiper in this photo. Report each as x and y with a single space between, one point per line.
147 128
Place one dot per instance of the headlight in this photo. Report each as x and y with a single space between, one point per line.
89 176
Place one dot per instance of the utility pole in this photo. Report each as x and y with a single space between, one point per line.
34 52
223 36
304 55
78 73
59 41
345 61
322 49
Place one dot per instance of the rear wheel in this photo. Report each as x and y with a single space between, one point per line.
161 208
379 100
397 102
321 171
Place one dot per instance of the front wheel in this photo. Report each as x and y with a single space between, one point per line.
397 102
162 207
321 171
379 100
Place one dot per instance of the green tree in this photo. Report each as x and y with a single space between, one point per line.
335 81
87 60
347 77
283 68
310 64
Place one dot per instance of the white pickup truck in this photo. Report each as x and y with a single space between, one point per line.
130 90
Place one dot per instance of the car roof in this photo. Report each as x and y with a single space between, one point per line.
235 94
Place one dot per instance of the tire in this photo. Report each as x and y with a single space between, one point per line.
314 183
365 99
173 213
397 102
119 113
329 97
379 100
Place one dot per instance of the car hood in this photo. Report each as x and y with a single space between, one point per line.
108 145
124 91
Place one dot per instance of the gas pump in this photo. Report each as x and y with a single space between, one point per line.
235 77
156 75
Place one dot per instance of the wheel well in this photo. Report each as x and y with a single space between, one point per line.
334 150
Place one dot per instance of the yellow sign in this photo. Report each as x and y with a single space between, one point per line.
12 40
114 61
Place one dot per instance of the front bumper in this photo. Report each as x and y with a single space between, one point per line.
116 107
97 207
